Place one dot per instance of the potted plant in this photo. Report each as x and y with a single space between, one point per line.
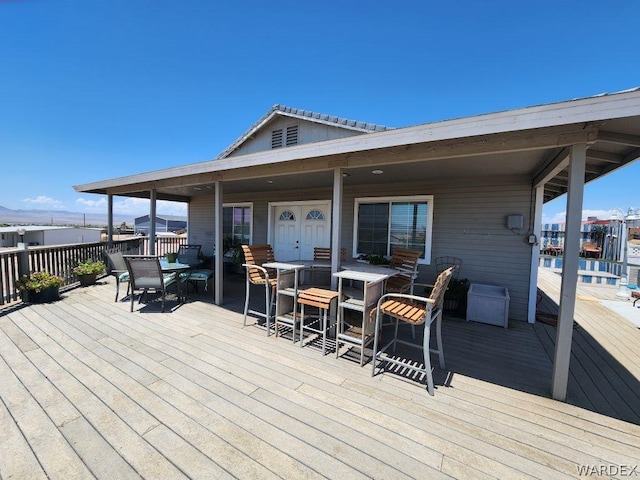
39 287
88 271
172 257
205 260
234 258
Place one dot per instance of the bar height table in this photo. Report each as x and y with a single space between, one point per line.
288 276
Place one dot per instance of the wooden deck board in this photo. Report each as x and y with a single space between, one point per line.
191 393
605 355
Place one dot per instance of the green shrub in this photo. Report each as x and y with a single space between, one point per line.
89 267
38 281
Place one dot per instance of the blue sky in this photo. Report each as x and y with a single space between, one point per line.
96 89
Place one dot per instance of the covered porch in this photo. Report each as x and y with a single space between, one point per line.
91 390
471 175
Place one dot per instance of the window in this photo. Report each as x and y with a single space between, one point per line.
287 215
236 224
315 215
381 224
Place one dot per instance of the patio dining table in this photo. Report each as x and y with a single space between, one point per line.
177 268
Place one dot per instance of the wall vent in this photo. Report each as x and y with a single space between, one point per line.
276 138
292 135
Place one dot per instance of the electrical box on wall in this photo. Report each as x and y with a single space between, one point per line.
515 221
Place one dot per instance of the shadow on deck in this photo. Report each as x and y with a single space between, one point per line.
520 358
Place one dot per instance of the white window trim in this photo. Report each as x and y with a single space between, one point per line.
414 198
245 204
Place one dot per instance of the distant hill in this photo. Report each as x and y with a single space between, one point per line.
58 217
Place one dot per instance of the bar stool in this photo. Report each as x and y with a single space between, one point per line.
321 299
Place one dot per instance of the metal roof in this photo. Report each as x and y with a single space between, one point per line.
364 127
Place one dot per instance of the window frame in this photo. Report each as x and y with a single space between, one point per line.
428 199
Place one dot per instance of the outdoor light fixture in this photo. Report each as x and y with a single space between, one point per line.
629 220
377 172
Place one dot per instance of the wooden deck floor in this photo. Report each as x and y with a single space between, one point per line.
89 390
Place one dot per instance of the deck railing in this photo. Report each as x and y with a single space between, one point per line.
60 260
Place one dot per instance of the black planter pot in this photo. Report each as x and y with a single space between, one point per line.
47 295
87 279
456 307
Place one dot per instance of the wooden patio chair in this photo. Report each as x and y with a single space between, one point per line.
256 274
146 274
117 267
414 310
322 255
406 262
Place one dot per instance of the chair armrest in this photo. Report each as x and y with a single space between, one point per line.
416 298
249 266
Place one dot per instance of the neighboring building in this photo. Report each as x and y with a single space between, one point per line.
552 234
164 223
48 235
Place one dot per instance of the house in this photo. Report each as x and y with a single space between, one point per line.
471 187
47 235
164 223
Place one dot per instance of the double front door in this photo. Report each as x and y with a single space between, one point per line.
298 228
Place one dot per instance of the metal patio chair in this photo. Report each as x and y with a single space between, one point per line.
146 274
189 254
118 268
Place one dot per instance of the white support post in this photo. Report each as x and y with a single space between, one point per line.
152 220
218 242
110 220
535 253
564 331
336 225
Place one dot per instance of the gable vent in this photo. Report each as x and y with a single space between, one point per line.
276 138
292 135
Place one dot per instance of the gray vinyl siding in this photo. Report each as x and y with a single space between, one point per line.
308 132
468 222
201 222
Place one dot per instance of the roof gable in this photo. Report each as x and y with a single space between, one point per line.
306 115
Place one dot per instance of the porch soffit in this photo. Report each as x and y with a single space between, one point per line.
476 154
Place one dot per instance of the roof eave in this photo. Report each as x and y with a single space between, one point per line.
592 109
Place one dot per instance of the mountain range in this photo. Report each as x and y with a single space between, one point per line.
59 217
